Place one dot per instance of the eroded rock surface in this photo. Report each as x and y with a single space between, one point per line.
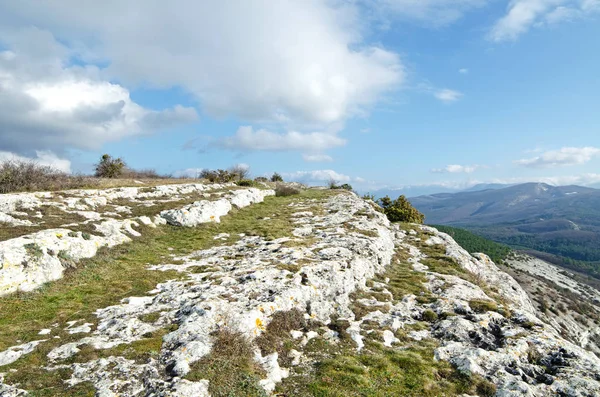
28 261
480 318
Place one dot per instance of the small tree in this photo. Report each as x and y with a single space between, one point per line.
276 178
401 210
109 167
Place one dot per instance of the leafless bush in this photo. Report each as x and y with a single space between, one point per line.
284 190
29 176
240 172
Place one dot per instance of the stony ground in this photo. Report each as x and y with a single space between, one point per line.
311 294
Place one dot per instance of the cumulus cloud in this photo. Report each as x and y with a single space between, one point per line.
317 158
456 168
563 157
447 95
246 138
42 157
262 60
523 14
46 105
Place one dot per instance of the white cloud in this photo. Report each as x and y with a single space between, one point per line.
262 140
456 168
447 95
298 62
562 157
523 14
42 157
317 158
463 71
45 105
188 173
317 176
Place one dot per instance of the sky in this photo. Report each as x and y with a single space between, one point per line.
414 95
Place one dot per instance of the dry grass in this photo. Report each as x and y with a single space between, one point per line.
276 337
230 367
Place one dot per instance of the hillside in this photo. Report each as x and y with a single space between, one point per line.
563 221
219 290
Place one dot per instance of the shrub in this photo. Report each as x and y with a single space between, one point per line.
400 210
245 182
284 190
276 178
368 196
218 176
28 176
261 179
109 167
240 172
333 185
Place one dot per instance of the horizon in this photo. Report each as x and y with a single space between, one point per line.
382 95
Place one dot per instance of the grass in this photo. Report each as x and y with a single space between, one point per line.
116 273
277 338
229 367
408 370
375 371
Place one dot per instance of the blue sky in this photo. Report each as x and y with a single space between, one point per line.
434 94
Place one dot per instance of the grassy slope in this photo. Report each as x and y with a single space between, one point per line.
336 369
115 274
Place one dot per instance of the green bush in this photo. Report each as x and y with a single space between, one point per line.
368 196
109 167
261 179
276 178
400 210
245 182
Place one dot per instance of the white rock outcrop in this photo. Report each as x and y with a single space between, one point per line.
483 322
29 261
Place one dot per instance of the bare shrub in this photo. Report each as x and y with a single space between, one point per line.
284 190
29 176
240 172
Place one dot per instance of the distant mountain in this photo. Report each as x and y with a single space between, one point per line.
486 186
560 220
417 190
